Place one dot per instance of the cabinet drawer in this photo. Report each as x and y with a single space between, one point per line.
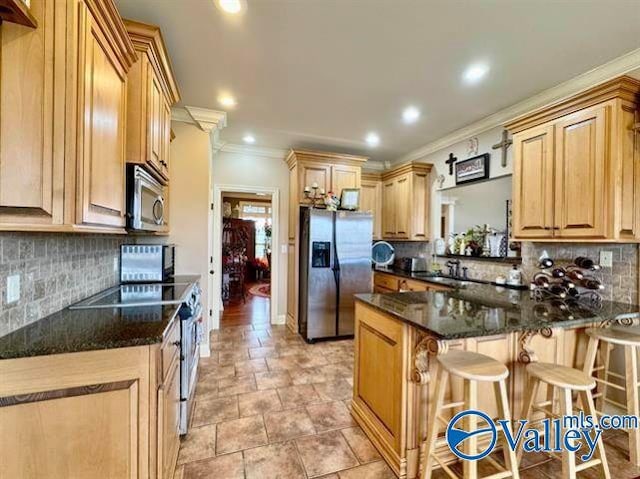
170 347
386 281
409 285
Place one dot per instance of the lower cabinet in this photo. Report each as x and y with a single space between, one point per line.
108 413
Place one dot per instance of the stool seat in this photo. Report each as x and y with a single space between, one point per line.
561 376
623 337
473 366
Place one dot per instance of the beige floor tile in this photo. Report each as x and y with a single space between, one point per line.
325 453
215 371
259 402
338 390
288 424
309 360
360 445
330 415
216 410
236 385
274 461
207 386
296 396
266 352
228 358
257 335
377 470
239 434
272 380
200 443
307 376
249 366
230 466
281 364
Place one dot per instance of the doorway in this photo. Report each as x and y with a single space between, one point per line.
245 255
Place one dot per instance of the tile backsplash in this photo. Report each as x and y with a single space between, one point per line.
621 280
55 271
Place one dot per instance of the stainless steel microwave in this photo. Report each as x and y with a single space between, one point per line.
145 200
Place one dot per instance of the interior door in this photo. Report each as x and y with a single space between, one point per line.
580 174
353 258
533 193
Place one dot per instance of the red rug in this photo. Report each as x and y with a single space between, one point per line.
262 290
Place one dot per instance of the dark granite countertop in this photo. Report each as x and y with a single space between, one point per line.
74 330
483 310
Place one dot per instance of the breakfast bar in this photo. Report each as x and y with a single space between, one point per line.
398 335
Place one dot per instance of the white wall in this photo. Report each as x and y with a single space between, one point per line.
485 141
245 169
189 205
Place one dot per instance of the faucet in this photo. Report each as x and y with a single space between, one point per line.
454 268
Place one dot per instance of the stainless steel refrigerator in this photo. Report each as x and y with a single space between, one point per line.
335 264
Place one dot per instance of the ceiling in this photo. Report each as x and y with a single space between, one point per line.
323 73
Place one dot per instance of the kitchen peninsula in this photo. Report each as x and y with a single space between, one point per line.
397 334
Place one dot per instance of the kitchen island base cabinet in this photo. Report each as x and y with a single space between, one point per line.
392 389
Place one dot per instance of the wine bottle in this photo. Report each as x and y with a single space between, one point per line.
545 263
558 273
540 311
574 273
591 283
567 283
541 279
573 292
558 290
556 303
586 263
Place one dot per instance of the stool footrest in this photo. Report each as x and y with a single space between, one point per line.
451 405
588 464
610 384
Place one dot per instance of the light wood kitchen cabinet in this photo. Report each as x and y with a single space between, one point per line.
392 283
576 174
405 202
62 155
169 421
371 200
151 92
331 172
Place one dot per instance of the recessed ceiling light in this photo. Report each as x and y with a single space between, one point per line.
230 6
410 114
249 139
227 100
475 73
372 139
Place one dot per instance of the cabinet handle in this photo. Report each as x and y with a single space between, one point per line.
176 344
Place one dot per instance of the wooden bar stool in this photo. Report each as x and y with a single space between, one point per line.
472 368
566 381
629 339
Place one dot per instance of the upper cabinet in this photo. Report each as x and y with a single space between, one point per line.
371 200
331 172
577 167
405 202
63 118
152 90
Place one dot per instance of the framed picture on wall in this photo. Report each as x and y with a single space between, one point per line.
350 199
473 169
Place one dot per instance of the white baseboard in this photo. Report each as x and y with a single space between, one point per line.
205 350
281 319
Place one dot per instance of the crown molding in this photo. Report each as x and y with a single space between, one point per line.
264 152
619 66
205 119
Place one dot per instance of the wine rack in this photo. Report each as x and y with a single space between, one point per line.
575 284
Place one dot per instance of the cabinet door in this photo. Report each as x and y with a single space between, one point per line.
533 183
308 174
166 138
419 211
294 202
403 210
389 209
169 422
155 125
344 177
32 119
371 202
292 288
101 140
580 174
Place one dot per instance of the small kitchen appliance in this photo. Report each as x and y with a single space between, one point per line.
145 263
